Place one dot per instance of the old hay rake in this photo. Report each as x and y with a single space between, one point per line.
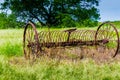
101 42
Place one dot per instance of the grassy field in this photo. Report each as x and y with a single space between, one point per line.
51 69
13 66
11 42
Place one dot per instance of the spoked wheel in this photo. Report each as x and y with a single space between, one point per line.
30 41
107 40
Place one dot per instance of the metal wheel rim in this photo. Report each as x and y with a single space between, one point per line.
25 48
116 32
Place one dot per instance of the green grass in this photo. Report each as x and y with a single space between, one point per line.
116 23
11 42
51 69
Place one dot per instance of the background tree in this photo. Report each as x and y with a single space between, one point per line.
9 21
54 12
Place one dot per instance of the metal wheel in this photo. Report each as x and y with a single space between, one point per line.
30 41
107 40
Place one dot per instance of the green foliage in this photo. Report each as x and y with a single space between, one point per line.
68 22
54 12
89 23
2 20
9 21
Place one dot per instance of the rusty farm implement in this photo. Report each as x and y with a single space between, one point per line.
103 40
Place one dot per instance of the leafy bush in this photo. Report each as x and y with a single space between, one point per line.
9 21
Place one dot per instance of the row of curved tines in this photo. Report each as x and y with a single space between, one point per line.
57 36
